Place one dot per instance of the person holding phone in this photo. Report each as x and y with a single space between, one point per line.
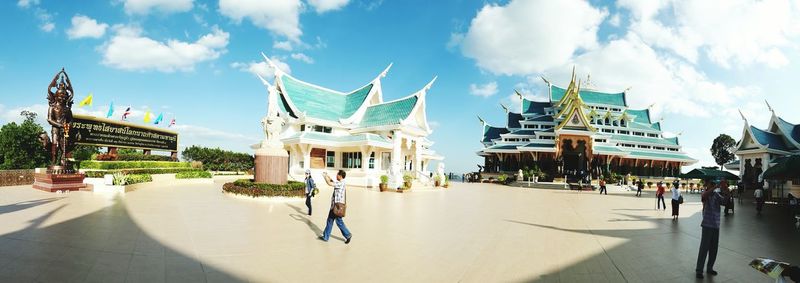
338 202
712 197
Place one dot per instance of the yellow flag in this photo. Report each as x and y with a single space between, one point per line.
86 101
147 116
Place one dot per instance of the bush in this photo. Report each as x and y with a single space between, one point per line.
407 178
101 173
193 175
250 188
122 179
502 178
142 157
111 165
216 159
384 179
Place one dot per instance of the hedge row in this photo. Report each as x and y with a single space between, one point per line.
101 173
131 179
193 175
130 157
110 165
249 188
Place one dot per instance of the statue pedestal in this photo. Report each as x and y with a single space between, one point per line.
271 166
58 182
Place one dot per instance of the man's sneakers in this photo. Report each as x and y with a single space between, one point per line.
321 239
699 275
347 241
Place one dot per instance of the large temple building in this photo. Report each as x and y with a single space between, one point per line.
357 131
760 149
581 133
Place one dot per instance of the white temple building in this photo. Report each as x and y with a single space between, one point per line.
356 131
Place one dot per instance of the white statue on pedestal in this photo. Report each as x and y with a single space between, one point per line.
395 174
272 123
440 172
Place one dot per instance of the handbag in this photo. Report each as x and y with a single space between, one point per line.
339 209
680 199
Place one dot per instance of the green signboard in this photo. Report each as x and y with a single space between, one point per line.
88 130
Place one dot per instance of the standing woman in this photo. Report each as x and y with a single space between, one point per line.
677 200
660 196
309 189
338 203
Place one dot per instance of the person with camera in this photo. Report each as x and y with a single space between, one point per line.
338 207
713 198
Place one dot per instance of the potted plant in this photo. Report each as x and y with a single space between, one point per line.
384 183
406 182
437 180
502 179
446 182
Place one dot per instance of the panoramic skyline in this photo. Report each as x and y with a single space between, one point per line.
696 62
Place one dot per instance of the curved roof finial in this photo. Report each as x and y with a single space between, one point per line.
263 81
383 74
428 86
743 118
504 107
481 119
545 80
627 89
769 107
270 63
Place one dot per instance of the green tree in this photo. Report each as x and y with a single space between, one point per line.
19 144
84 152
722 149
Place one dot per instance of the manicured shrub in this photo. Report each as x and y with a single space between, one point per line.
384 179
193 175
216 159
110 165
122 179
250 188
142 157
101 173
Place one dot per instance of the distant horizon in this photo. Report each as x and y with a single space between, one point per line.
698 65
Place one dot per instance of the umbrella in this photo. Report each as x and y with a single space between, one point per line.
709 174
787 168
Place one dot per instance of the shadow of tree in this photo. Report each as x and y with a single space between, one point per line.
103 246
26 204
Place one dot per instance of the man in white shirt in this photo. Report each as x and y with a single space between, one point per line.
338 197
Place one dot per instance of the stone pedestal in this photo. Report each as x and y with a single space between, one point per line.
58 182
271 166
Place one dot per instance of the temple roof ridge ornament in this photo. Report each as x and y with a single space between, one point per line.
743 118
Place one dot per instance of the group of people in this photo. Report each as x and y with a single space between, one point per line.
338 203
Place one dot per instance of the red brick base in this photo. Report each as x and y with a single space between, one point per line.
58 182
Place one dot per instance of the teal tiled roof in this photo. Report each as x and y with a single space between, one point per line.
490 133
389 113
334 138
771 140
789 129
503 147
539 145
523 132
589 96
513 120
608 148
642 116
317 102
679 156
670 141
534 107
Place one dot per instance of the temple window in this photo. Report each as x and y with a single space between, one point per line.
372 161
323 129
330 159
351 159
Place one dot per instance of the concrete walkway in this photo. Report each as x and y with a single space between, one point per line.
468 233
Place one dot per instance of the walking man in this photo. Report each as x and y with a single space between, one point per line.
660 196
337 198
759 194
309 190
639 188
603 187
709 241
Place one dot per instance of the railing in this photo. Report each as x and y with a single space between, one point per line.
424 178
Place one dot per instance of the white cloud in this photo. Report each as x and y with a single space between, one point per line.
283 45
524 37
322 6
614 20
48 26
279 17
262 68
13 114
143 7
484 90
129 50
27 3
83 26
302 57
195 133
730 33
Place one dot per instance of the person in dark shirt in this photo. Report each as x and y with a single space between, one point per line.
713 198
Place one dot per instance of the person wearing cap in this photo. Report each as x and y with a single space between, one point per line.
712 197
309 189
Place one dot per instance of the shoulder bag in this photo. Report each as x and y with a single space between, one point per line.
339 209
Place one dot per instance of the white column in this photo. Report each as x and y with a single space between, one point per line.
417 157
305 149
395 170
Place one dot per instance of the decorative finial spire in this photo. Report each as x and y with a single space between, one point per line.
263 81
481 119
383 74
428 86
627 89
651 106
743 118
270 63
769 107
504 107
519 94
545 80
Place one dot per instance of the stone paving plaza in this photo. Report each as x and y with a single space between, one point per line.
468 233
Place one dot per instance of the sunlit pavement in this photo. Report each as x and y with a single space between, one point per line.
170 232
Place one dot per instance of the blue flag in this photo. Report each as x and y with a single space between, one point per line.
160 117
110 110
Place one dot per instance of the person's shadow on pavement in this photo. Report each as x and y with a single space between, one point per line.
302 218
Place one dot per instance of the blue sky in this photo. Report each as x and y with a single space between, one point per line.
698 62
